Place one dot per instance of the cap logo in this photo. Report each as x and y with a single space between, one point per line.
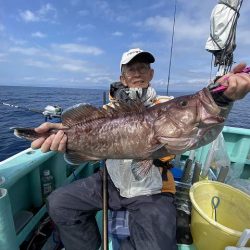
134 52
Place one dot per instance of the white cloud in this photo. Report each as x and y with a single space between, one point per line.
158 23
46 13
188 28
26 51
59 61
105 8
86 26
159 82
136 35
74 2
46 9
185 27
81 49
51 79
81 39
157 5
117 33
243 37
29 78
18 42
72 67
2 28
29 16
99 79
38 34
36 63
3 57
83 12
137 45
109 10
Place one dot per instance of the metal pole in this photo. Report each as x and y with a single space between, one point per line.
104 200
105 209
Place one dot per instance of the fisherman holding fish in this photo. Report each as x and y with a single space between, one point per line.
144 187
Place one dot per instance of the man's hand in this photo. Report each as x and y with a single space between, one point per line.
55 142
238 83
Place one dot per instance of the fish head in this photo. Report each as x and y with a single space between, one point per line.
184 120
196 110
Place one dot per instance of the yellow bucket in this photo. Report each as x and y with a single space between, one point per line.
232 215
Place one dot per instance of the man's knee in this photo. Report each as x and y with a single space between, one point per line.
55 207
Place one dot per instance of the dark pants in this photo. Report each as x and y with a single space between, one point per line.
152 219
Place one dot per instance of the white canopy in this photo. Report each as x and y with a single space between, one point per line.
223 19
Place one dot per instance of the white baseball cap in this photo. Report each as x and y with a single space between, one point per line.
143 56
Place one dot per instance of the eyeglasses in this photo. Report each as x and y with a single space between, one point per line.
131 70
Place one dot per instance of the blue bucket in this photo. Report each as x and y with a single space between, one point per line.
177 173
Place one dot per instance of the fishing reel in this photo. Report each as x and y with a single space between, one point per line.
52 111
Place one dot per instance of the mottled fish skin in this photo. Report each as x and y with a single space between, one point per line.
134 132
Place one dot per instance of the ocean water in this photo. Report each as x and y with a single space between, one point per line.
38 98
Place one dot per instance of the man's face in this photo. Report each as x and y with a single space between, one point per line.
136 75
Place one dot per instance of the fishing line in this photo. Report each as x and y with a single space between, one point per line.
20 107
171 49
49 111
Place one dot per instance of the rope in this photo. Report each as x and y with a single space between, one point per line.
171 49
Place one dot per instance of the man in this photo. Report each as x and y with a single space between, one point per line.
152 221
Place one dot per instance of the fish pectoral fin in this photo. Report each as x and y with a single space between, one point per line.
76 158
177 145
140 169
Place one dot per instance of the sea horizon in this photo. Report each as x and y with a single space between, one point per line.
98 88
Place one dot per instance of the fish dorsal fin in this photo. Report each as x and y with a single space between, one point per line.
82 113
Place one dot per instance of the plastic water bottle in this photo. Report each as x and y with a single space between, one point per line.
47 183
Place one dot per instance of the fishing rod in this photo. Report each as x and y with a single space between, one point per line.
49 112
104 199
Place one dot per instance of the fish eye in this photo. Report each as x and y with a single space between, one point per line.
183 103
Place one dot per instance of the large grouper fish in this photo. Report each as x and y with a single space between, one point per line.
135 132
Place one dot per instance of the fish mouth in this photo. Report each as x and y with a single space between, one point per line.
211 121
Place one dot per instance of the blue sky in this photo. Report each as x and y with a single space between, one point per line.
79 44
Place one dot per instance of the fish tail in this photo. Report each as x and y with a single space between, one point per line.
30 134
140 169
